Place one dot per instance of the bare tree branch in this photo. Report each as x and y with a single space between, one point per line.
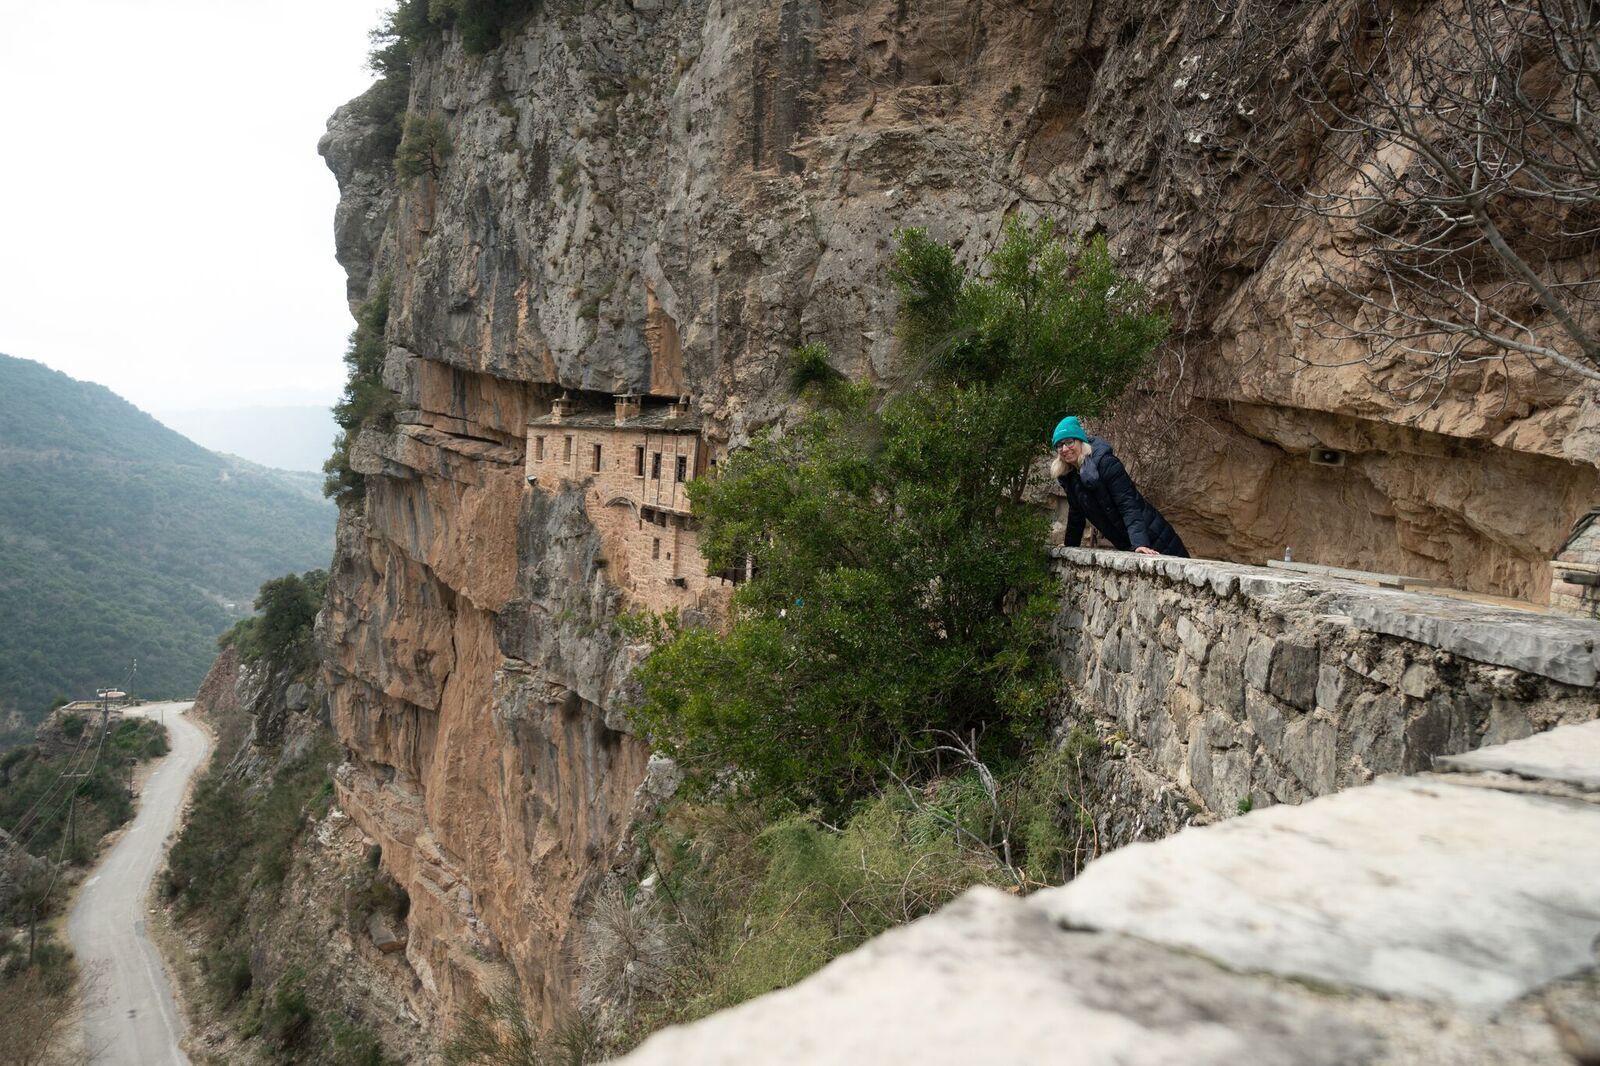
1463 209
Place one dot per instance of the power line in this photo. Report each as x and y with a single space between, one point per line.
75 773
45 796
23 823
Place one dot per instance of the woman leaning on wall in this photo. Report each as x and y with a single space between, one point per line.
1100 491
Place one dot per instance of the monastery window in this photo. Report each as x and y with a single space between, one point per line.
566 449
655 466
683 468
655 548
538 449
597 458
638 462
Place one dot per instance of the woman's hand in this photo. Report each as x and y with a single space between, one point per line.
1145 551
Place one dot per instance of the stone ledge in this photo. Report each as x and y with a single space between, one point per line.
1432 923
1409 887
1569 756
1559 648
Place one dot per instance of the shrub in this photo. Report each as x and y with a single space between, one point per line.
481 23
825 892
288 608
372 891
38 1009
745 901
745 905
281 632
355 1045
496 1033
11 762
286 1016
228 973
424 147
100 801
410 26
901 587
366 400
394 43
231 840
341 482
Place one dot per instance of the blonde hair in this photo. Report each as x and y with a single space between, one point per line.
1058 467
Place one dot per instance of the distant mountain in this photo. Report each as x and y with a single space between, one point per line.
121 539
288 438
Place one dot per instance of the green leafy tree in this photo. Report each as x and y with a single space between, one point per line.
288 607
424 147
280 631
901 586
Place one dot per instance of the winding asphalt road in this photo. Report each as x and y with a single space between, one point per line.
130 1019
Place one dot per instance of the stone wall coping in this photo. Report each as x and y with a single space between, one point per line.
1560 648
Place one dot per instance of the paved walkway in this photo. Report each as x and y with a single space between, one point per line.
130 1018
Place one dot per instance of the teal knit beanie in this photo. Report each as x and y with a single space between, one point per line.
1068 428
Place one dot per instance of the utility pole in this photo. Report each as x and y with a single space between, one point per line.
72 810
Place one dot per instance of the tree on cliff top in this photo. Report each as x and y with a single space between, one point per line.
901 585
280 630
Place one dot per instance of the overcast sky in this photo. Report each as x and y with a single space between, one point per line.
166 225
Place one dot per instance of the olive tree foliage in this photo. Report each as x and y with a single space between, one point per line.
901 584
1463 208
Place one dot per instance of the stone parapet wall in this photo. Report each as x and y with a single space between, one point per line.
1444 918
1247 686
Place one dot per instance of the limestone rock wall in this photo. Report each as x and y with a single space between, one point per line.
216 693
266 720
673 195
466 640
1244 686
668 196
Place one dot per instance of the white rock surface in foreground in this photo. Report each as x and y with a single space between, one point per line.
1410 887
1569 756
989 979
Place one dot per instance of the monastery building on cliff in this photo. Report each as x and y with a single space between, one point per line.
633 464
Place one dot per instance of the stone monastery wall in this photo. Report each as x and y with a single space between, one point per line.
634 476
1247 686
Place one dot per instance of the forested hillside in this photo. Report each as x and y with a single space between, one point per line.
122 540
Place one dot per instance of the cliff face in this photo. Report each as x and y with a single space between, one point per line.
668 196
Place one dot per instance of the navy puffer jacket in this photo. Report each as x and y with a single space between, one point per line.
1101 492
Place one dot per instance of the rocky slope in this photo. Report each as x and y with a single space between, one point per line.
668 196
293 954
